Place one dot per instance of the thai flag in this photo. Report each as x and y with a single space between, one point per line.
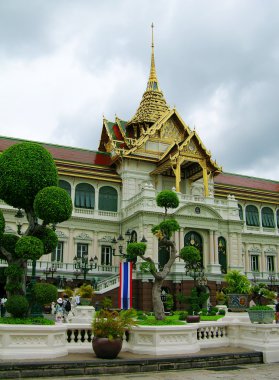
125 289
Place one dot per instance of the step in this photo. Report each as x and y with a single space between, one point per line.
125 363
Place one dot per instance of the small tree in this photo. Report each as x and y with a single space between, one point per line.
164 232
28 182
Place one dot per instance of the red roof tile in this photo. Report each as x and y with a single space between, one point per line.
248 182
66 153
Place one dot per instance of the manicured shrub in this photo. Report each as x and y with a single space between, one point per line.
53 205
48 238
9 242
29 248
167 199
222 312
135 249
190 254
2 224
44 294
18 187
17 306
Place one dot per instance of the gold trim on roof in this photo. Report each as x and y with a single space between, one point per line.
153 104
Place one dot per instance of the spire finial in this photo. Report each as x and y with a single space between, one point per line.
152 27
153 81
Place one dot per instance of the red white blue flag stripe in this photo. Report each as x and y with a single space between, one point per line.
125 288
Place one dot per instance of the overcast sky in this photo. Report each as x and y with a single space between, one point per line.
66 63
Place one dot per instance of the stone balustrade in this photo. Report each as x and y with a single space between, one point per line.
23 341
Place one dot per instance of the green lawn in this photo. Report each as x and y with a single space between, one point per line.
174 320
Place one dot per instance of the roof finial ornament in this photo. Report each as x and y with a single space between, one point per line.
153 81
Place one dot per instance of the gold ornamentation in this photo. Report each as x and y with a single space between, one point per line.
169 131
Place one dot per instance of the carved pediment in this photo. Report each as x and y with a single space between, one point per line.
171 132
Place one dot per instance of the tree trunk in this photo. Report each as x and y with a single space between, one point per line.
158 306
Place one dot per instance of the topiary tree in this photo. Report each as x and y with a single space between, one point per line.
164 232
28 182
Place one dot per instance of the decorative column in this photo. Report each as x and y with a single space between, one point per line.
181 238
213 267
247 261
205 179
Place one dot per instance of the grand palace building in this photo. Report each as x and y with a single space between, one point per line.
232 219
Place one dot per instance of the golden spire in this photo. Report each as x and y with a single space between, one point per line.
153 104
153 81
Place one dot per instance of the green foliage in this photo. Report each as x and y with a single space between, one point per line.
237 283
168 321
14 274
69 292
261 290
25 169
13 270
205 318
190 254
44 294
29 248
180 297
48 238
85 291
147 267
165 228
196 300
221 297
169 302
113 324
222 312
167 199
260 307
53 205
17 306
2 224
183 315
9 242
26 321
107 303
135 249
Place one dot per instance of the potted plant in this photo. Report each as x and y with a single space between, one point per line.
108 328
86 293
237 290
261 314
220 298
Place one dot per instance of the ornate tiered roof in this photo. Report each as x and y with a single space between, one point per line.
153 104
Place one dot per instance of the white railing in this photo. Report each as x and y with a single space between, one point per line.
109 283
63 338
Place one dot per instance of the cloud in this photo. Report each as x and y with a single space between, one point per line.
63 64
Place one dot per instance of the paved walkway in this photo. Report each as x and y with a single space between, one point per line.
128 355
241 372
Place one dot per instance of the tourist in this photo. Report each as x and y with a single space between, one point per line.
77 299
2 304
59 310
277 310
252 303
66 307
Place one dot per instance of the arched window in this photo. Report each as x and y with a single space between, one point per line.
65 185
252 216
194 239
240 210
267 217
84 196
222 254
108 199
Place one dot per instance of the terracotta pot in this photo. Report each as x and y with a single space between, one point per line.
105 348
192 318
